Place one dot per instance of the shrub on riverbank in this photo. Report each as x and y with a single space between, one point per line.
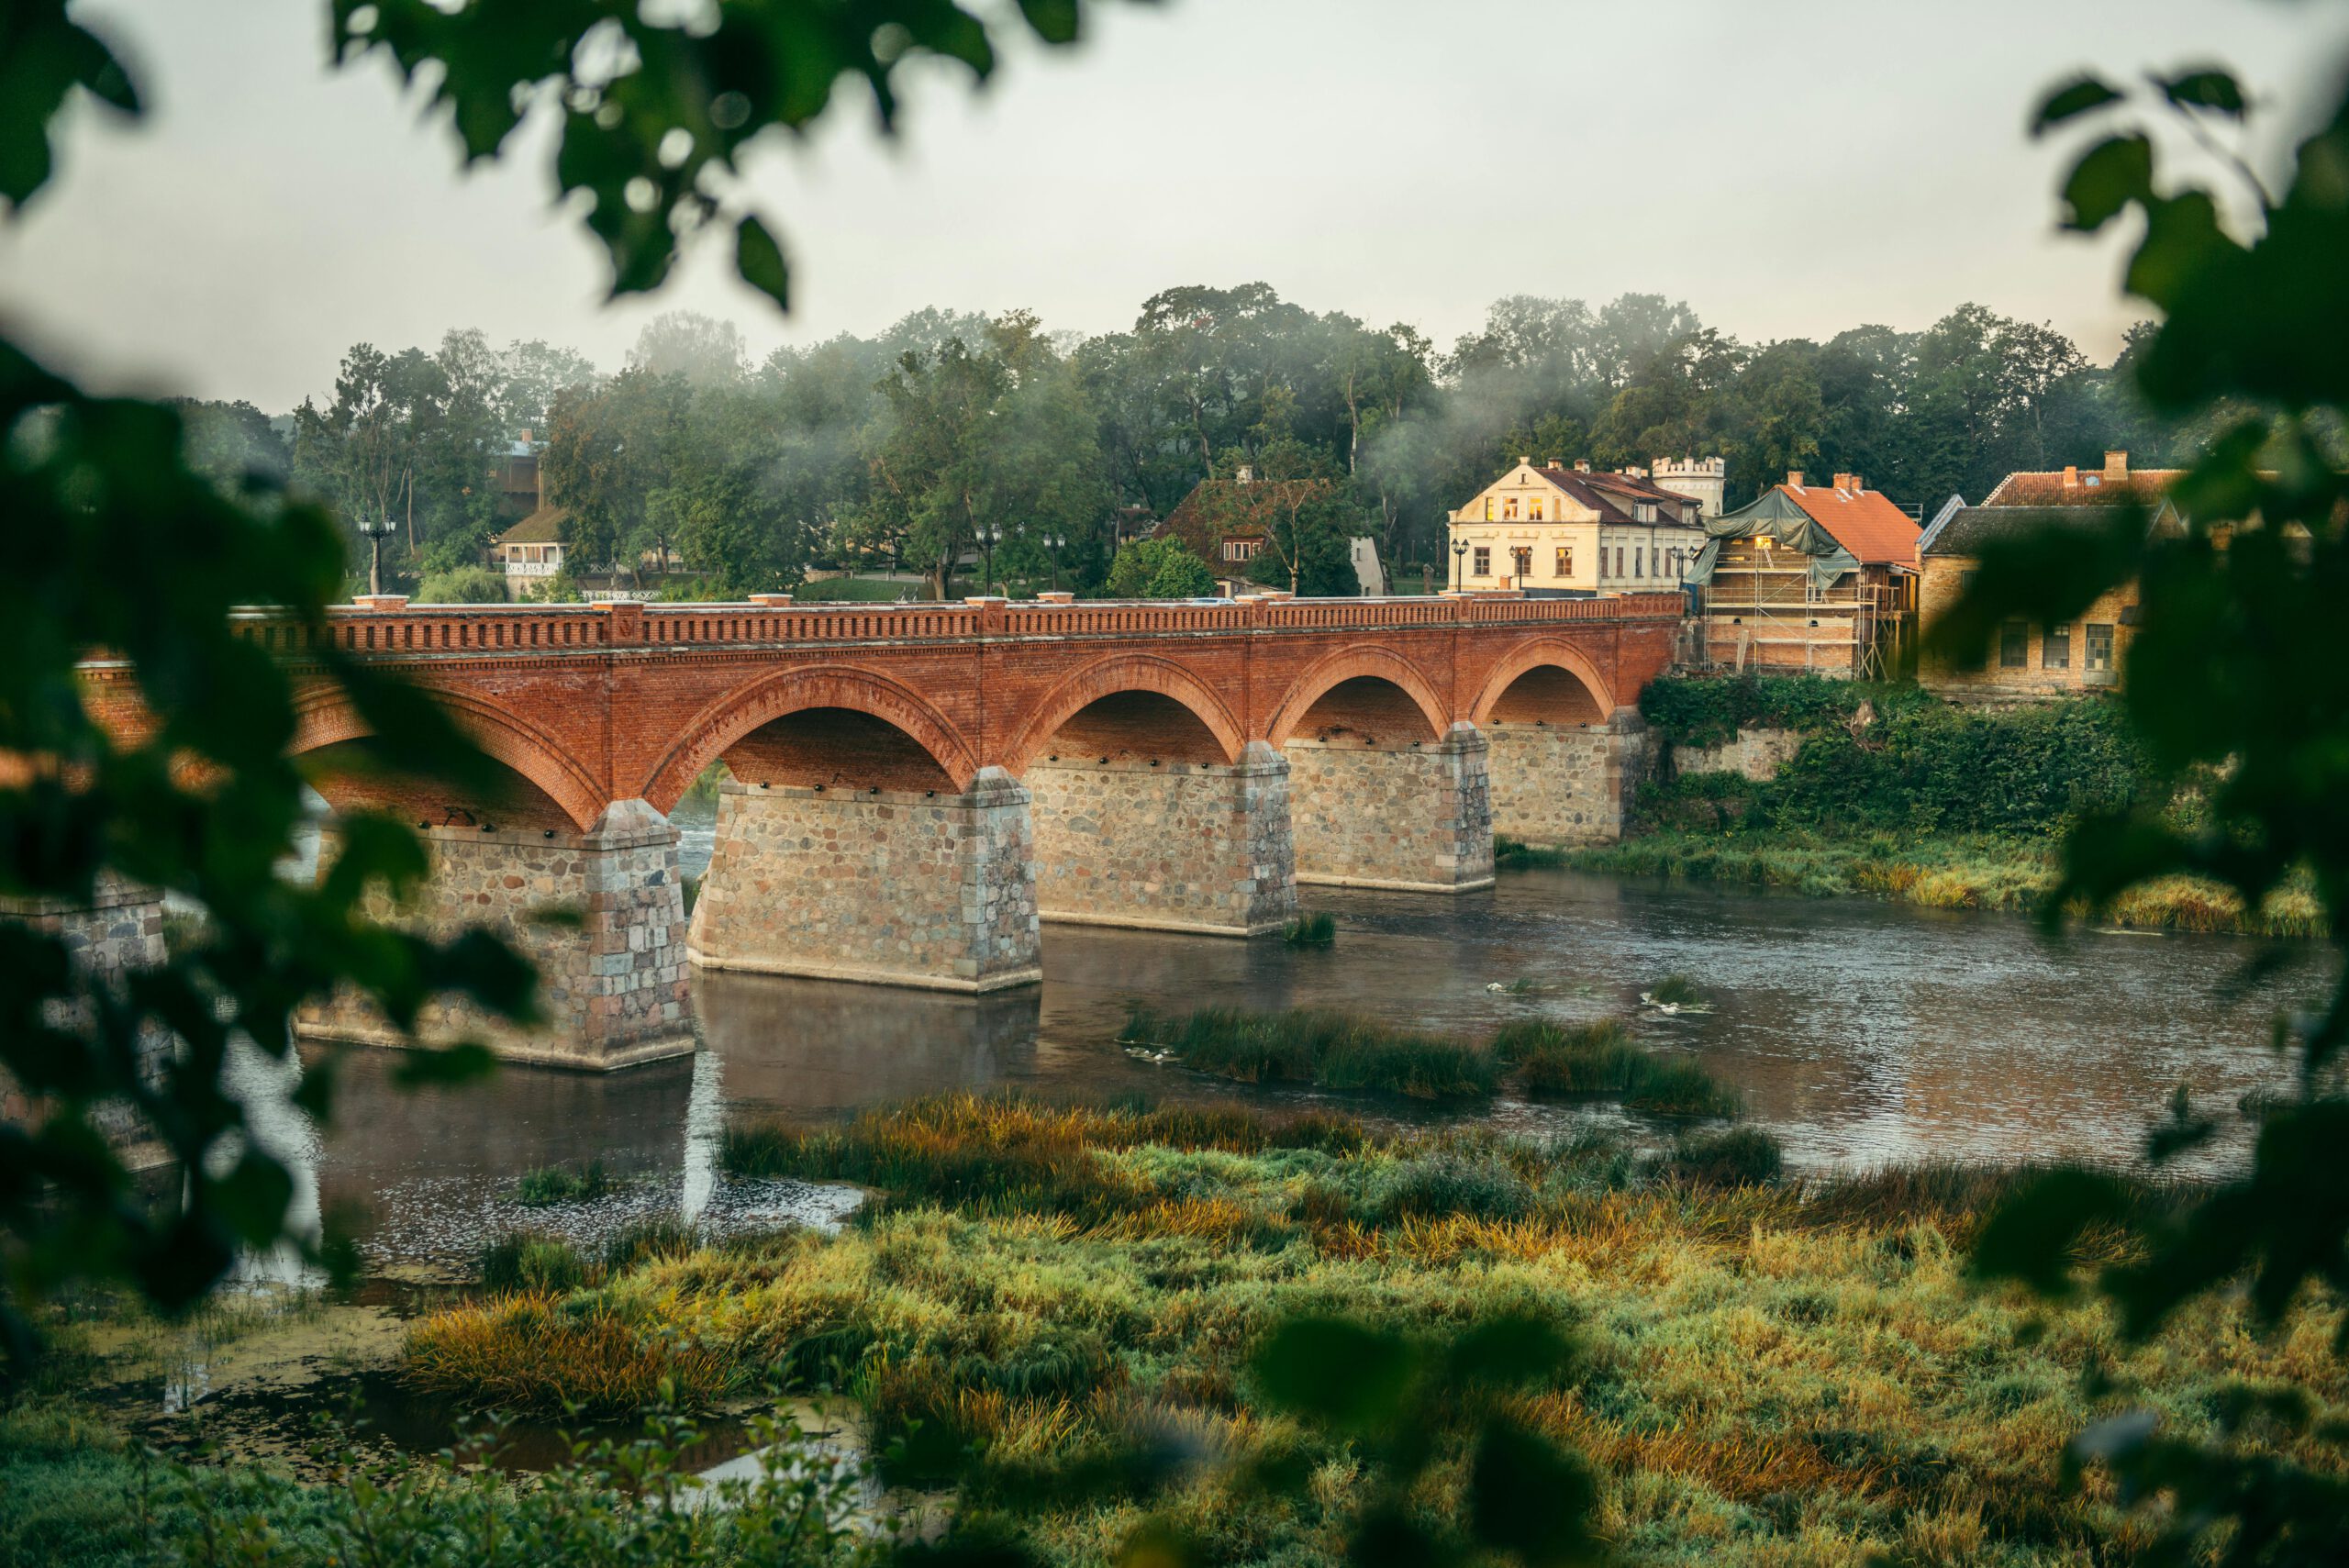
1770 1370
551 1184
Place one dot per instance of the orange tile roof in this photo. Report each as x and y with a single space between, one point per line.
2082 487
1864 521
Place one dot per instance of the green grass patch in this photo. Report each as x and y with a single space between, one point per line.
1316 929
1675 991
1318 1046
1554 1059
551 1184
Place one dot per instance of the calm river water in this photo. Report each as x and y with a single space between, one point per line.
1860 1032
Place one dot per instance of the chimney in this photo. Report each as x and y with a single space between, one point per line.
1552 462
1848 482
526 438
1582 465
1527 460
2071 477
2116 466
1245 473
1794 479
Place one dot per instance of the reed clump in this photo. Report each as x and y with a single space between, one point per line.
1601 1058
1317 928
551 1184
538 1354
1314 1045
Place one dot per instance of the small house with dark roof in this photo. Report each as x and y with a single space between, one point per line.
2028 662
530 552
1813 577
1560 532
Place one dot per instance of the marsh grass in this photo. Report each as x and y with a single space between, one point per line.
1314 1045
1974 871
1601 1058
551 1184
1318 929
1772 1371
1675 991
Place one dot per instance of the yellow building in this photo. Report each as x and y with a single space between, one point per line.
1570 532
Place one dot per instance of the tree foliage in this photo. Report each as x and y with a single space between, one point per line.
2235 670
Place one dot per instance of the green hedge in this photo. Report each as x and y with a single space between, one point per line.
1923 767
1709 710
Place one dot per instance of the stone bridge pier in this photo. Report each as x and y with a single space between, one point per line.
1145 817
1385 792
614 987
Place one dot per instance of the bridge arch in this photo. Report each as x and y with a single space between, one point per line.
1547 681
1105 692
568 787
861 710
1355 683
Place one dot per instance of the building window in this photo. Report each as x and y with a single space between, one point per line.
1535 512
1508 508
1644 511
2056 648
1565 562
1482 561
1618 560
1966 580
2098 654
2014 645
1639 564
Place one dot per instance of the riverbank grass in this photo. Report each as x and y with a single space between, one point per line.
1314 1045
1318 929
1769 1371
1975 873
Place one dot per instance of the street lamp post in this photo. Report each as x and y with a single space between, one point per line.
1459 563
992 534
376 533
1053 542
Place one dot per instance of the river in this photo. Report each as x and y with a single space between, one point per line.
1860 1032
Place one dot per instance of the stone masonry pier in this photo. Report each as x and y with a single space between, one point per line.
1180 846
613 982
883 885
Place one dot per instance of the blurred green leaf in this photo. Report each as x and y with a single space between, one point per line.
2069 102
2108 176
1336 1371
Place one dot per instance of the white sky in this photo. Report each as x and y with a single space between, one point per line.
1788 169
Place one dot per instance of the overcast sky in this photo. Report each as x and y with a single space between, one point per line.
1788 169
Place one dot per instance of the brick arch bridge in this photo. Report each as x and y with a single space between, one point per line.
914 787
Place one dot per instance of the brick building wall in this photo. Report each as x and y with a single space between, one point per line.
2027 663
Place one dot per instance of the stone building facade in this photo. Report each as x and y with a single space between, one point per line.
1554 530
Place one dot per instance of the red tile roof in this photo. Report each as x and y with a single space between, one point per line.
1606 493
1875 530
2107 486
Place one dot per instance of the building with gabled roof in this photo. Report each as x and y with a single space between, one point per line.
2028 662
530 551
1814 577
1555 531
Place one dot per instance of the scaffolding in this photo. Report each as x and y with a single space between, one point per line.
1764 609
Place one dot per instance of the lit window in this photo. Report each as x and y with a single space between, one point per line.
1565 562
1508 508
1483 560
2014 645
1535 512
2056 648
2097 654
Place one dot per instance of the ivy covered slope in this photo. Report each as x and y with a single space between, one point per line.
1895 794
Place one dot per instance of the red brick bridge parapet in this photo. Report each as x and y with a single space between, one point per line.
913 788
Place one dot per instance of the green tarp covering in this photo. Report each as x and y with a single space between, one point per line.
1795 529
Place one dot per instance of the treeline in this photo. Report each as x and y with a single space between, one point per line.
952 438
